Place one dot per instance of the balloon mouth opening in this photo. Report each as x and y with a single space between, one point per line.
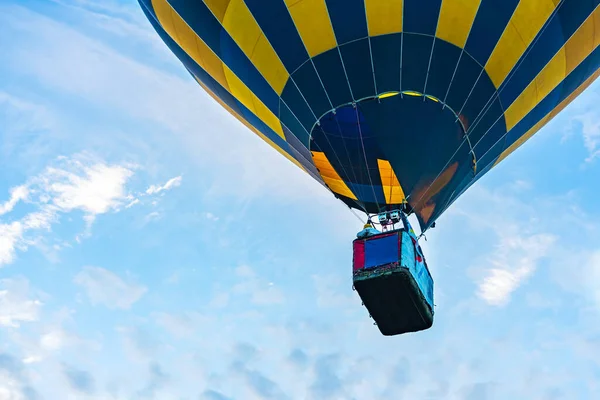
387 95
384 151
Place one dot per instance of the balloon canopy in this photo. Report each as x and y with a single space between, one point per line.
386 101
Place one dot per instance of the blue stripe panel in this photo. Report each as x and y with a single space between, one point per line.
296 144
357 60
490 22
416 52
571 14
241 65
288 119
307 164
292 97
571 82
345 155
460 189
330 69
421 16
310 169
466 74
462 185
199 17
381 251
367 193
275 21
557 31
479 102
386 51
348 19
445 57
583 71
487 160
148 10
308 82
482 135
440 201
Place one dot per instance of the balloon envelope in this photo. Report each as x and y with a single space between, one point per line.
388 100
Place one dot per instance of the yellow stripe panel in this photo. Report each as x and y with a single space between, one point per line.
391 187
577 48
330 176
456 19
384 17
548 117
313 24
249 126
189 41
245 96
597 29
524 25
243 28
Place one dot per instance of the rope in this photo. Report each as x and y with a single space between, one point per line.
357 216
362 143
335 154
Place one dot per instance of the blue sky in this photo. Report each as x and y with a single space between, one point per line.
151 247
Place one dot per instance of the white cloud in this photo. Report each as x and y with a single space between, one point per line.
10 388
182 325
219 300
584 280
171 183
140 343
16 303
211 217
104 287
22 116
49 336
520 229
592 276
31 360
94 189
17 194
260 291
78 183
10 238
153 216
590 130
53 340
513 262
132 203
123 20
582 119
329 295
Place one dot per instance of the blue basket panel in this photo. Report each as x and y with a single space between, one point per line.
417 269
381 251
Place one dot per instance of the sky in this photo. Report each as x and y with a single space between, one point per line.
151 247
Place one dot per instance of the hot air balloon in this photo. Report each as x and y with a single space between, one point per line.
393 105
